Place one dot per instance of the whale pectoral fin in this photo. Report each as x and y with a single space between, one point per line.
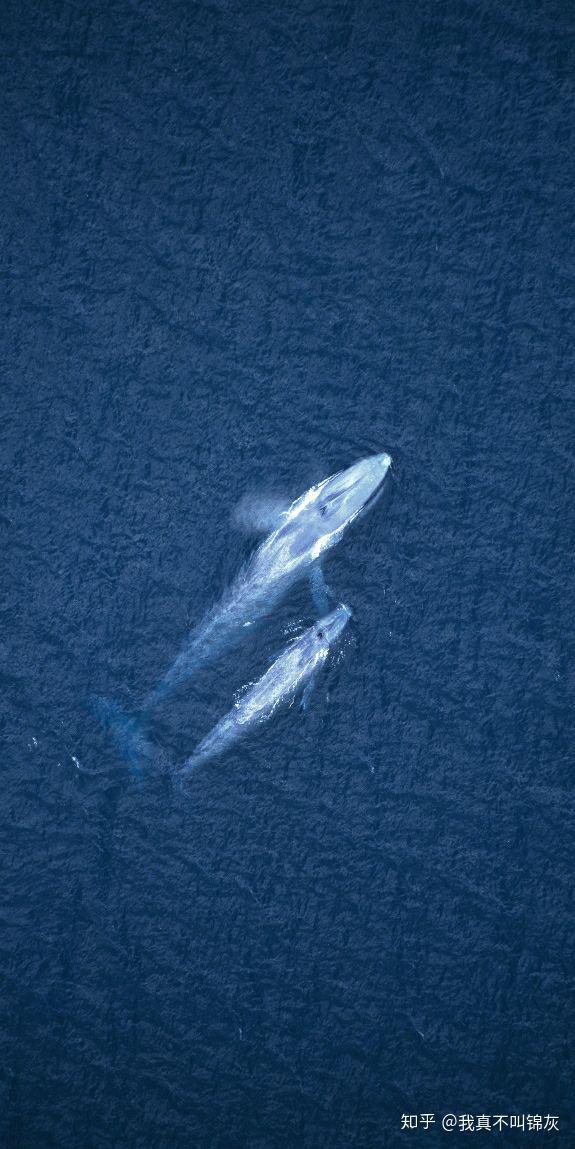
256 514
308 691
320 591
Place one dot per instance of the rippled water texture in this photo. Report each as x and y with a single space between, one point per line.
244 245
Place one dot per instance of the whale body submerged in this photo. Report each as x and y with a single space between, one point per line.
304 532
294 668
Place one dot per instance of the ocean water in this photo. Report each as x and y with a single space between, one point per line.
243 245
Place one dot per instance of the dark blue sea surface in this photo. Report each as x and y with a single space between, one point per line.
245 244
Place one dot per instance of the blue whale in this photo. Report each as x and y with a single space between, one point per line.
304 532
293 669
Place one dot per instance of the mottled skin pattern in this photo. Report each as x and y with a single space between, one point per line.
294 667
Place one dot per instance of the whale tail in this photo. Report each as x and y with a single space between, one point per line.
126 733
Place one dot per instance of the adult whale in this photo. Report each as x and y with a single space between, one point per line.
294 668
303 533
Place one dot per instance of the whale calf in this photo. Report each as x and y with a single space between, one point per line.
294 668
303 533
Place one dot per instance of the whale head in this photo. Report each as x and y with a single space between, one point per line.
315 643
326 510
318 519
329 628
343 496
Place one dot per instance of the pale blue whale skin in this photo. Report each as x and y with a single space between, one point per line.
291 670
306 530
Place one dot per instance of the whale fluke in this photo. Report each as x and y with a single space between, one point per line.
127 733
